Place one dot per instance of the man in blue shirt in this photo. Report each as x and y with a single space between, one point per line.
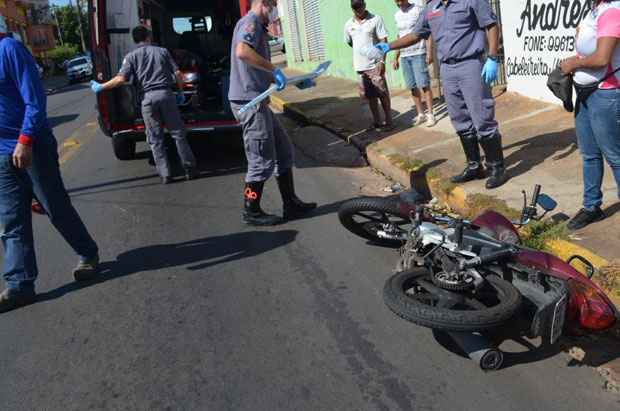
460 29
29 169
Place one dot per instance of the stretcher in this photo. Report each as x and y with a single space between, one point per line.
319 71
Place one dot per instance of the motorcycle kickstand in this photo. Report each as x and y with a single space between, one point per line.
479 349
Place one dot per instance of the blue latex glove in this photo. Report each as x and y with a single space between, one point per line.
95 87
383 47
489 71
180 98
306 84
280 79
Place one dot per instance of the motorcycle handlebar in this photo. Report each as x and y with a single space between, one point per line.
535 196
468 222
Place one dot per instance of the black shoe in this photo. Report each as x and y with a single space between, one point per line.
293 207
495 161
166 180
11 299
86 269
191 173
585 217
473 171
474 168
252 213
498 175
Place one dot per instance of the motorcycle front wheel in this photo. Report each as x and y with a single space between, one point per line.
364 217
412 295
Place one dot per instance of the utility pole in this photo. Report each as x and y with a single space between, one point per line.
79 18
62 43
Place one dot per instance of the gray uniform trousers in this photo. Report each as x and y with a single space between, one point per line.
159 106
267 146
469 99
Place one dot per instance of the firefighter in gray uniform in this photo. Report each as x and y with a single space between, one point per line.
459 28
268 148
153 69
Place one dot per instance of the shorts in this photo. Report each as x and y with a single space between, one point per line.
415 71
372 84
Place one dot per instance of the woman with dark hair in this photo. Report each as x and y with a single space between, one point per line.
597 114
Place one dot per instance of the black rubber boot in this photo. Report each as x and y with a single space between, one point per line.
474 168
291 204
252 213
495 161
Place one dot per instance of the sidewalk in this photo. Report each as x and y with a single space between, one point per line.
54 83
540 147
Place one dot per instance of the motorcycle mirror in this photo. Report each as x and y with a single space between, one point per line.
546 202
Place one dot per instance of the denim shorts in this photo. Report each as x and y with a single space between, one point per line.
415 71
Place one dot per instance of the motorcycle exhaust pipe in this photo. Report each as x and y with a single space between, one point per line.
479 349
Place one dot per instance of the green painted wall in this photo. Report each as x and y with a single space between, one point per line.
334 14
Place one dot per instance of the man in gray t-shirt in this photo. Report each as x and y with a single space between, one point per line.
153 69
267 146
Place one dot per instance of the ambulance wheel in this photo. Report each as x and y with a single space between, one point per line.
124 148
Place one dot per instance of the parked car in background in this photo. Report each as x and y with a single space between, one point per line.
79 68
276 44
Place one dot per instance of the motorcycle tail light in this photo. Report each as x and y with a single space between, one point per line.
592 311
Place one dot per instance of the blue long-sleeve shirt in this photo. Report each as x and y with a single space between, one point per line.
23 101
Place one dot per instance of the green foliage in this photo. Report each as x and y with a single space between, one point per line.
68 25
445 186
481 202
537 233
405 163
63 53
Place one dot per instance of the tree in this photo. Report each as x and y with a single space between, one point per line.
66 16
62 53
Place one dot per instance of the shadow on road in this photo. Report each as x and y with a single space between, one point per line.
58 120
197 254
68 88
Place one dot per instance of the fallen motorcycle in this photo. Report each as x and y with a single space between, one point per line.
464 277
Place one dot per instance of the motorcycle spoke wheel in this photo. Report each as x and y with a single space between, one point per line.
412 295
364 217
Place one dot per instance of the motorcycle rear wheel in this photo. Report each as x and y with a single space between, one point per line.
365 216
412 295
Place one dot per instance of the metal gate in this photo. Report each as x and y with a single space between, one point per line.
293 23
314 31
501 67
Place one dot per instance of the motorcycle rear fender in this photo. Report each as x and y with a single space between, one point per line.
554 267
498 225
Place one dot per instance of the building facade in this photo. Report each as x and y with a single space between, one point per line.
314 32
31 24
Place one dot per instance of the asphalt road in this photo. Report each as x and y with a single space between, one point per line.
195 311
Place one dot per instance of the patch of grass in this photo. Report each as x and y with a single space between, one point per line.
433 173
405 163
538 233
445 186
608 277
375 148
481 202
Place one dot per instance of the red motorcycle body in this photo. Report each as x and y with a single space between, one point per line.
589 308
